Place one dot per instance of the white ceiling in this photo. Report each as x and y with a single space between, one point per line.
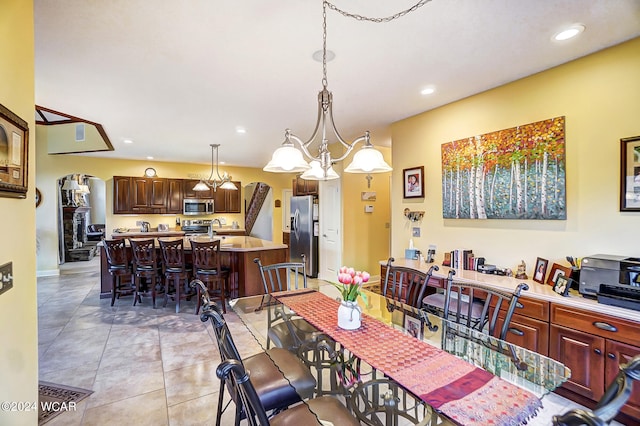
175 76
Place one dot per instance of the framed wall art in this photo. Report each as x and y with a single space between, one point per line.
630 174
515 173
540 271
413 182
14 152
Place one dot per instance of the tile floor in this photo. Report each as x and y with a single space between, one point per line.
146 366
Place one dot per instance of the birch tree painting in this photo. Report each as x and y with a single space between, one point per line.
516 173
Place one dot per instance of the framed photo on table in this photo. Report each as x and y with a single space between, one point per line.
14 152
630 174
562 285
413 326
540 271
413 182
556 271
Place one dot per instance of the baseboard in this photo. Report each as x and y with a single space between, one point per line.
48 273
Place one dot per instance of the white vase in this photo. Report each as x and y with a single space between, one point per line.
349 315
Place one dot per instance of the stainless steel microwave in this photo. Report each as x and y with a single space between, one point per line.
197 206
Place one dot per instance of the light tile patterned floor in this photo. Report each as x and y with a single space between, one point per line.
146 366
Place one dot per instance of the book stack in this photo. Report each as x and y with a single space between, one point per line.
462 259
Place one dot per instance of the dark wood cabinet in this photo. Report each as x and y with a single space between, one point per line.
148 195
227 200
528 333
621 353
122 195
305 187
175 195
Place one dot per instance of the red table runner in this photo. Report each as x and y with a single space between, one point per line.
461 391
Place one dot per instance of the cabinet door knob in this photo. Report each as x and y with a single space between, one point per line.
611 356
597 351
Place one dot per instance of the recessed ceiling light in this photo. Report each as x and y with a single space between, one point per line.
127 141
428 90
149 158
568 33
241 130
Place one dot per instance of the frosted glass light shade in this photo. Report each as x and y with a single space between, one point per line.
316 172
286 159
229 185
201 186
84 189
368 160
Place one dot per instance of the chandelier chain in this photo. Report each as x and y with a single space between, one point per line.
376 20
324 44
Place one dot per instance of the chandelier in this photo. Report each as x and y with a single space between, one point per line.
289 159
223 181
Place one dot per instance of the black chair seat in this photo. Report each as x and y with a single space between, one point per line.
271 385
325 408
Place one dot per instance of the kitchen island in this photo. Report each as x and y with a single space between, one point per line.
237 254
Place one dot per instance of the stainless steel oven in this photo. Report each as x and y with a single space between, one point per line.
197 206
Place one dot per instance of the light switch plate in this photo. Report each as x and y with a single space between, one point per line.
415 231
368 208
6 277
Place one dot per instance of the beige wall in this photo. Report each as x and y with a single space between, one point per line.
52 167
598 95
18 316
366 235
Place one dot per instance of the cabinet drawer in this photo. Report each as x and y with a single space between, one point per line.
528 333
596 324
532 308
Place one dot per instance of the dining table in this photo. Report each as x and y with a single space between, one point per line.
463 375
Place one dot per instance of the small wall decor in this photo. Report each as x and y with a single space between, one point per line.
541 270
630 174
368 196
14 152
413 182
516 173
556 271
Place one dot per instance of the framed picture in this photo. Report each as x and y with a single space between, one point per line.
413 182
540 271
413 326
556 271
14 146
630 174
562 285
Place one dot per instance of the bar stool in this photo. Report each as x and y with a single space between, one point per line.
175 270
145 265
207 268
118 266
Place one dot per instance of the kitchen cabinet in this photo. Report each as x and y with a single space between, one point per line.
593 345
227 200
304 187
188 185
148 195
529 327
175 195
122 195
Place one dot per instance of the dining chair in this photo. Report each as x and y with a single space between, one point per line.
475 305
615 396
285 330
208 269
118 266
406 285
279 378
324 410
145 266
175 271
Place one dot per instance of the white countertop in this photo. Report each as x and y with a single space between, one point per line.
536 290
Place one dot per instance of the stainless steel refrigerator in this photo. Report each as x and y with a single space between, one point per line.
304 232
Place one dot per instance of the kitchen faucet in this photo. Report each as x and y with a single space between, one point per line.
216 220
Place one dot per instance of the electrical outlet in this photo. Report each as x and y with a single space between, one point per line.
6 277
415 232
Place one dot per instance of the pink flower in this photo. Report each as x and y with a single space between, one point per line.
365 276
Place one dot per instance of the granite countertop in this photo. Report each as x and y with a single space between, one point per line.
154 233
227 243
536 290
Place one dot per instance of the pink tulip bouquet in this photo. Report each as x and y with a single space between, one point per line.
351 281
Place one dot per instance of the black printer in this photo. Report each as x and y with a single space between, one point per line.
614 280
